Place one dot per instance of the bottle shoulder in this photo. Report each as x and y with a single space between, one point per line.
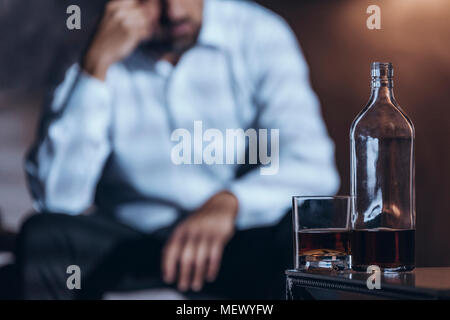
382 120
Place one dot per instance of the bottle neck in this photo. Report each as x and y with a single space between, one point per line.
382 90
382 84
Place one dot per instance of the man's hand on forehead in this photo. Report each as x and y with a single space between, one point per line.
125 23
153 6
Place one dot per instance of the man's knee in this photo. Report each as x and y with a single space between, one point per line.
38 222
38 250
40 230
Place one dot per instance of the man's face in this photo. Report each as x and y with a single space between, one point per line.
178 25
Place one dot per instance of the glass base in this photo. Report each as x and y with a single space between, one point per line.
327 262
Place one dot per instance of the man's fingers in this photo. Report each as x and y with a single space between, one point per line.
118 8
120 4
123 11
141 25
170 257
200 264
131 17
136 21
215 259
186 265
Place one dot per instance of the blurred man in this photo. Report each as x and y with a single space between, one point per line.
106 138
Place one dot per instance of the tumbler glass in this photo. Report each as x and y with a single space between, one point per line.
321 232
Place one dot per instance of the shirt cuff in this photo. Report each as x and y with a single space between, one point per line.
256 207
88 108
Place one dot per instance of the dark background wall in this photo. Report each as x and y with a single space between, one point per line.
35 47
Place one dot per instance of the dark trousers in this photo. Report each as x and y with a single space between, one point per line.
113 257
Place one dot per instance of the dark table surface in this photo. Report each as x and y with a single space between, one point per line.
433 283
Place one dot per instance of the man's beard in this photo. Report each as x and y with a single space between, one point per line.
163 43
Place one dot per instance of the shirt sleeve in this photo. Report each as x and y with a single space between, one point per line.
65 164
286 101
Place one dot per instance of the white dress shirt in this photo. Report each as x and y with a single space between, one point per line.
111 141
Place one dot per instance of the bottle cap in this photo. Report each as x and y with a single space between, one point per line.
382 69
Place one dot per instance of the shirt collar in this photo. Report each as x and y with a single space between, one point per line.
212 32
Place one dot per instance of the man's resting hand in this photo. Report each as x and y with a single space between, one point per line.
194 251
